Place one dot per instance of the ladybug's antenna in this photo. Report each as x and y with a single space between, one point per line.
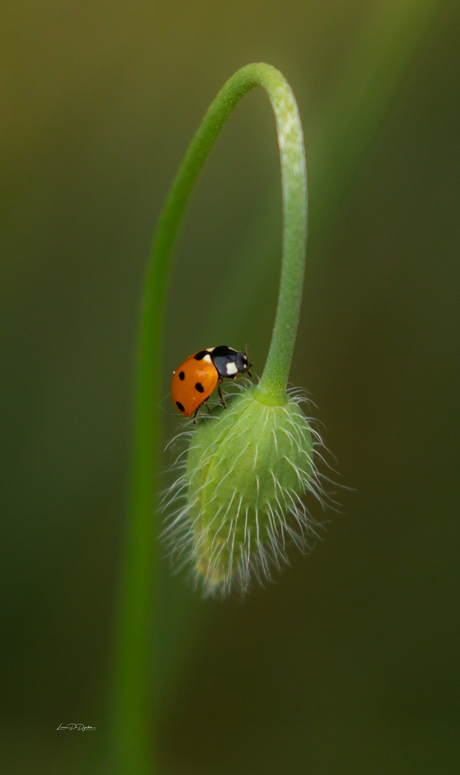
247 358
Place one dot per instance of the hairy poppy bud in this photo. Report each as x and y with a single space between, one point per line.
246 471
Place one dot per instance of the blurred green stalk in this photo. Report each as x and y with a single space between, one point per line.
347 119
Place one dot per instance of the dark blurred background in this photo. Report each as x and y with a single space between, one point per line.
349 662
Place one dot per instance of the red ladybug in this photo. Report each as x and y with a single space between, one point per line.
195 379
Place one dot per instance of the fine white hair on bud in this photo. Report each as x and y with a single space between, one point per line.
238 502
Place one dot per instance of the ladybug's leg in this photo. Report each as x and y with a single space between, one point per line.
220 394
194 416
207 405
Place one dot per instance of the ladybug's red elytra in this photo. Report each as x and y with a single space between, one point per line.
195 379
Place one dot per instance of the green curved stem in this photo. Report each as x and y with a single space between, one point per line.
272 386
133 645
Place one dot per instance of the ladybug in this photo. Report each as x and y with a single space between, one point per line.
196 378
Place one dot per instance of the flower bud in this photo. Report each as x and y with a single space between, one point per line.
247 469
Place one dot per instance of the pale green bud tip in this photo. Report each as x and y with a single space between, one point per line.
247 469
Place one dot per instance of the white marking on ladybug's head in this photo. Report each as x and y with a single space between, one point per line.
207 358
242 362
210 349
231 369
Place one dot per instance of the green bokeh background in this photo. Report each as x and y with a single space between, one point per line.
349 663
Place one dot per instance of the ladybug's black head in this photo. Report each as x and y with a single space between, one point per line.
242 363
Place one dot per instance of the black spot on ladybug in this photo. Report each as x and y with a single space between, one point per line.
199 356
179 406
199 387
182 375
